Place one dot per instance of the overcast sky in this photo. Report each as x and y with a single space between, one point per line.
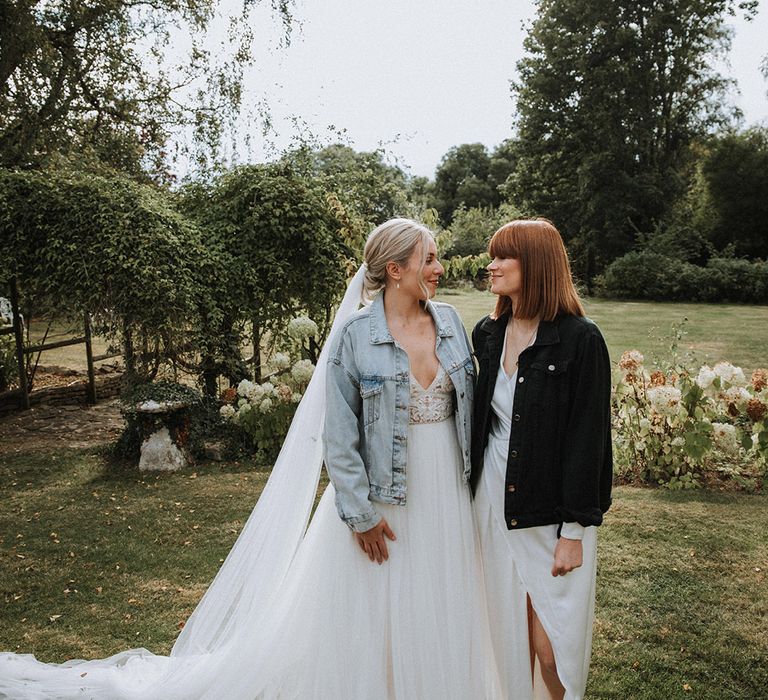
420 76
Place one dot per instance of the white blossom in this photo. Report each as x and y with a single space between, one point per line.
726 371
265 405
244 387
664 399
296 397
227 411
302 327
736 394
241 403
679 441
281 360
302 371
705 377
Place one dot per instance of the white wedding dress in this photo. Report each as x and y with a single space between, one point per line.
302 613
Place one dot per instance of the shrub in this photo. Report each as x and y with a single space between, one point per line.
675 427
649 275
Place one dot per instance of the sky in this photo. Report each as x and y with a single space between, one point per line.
418 77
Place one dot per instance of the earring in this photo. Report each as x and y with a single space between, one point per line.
398 285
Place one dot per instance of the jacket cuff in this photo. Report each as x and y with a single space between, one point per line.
572 531
362 523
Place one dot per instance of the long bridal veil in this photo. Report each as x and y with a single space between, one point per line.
234 614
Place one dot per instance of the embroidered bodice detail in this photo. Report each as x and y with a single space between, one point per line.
435 403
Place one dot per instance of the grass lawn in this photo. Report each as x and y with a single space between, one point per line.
96 558
736 333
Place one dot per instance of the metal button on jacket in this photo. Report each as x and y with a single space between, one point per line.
513 522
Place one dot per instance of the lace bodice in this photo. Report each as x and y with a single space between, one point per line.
433 404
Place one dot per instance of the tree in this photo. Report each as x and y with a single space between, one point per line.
363 181
462 177
277 240
94 79
610 95
736 174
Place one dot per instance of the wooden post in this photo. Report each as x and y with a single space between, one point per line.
256 350
17 332
90 390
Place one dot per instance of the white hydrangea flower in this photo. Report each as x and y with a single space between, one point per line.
679 441
302 327
736 394
281 360
664 399
244 387
725 435
256 393
705 377
296 397
302 371
245 408
269 389
241 403
227 411
265 405
725 370
738 378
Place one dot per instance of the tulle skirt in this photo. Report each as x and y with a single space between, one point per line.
342 627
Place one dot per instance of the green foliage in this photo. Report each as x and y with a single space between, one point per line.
8 366
105 81
366 185
118 250
278 248
463 177
471 229
610 96
735 170
649 275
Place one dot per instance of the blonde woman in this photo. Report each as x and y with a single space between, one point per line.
381 596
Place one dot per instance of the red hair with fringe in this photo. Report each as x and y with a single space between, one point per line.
547 284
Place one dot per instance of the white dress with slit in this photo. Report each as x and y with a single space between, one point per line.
517 562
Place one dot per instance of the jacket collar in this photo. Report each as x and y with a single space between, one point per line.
380 331
546 334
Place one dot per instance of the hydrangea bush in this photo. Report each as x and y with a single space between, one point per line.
678 427
264 411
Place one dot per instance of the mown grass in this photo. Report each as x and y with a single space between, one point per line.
737 333
123 558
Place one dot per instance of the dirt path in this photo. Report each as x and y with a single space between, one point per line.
46 427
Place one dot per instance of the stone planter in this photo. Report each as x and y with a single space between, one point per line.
161 451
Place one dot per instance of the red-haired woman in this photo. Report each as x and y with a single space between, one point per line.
541 461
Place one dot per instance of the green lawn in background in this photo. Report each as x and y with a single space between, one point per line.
736 333
96 558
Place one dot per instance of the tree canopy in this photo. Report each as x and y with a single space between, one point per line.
610 96
95 80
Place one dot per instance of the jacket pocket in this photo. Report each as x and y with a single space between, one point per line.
370 392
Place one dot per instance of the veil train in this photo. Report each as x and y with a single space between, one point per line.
238 602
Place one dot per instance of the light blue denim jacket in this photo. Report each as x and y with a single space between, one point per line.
367 396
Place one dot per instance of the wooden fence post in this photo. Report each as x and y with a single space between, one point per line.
90 389
17 332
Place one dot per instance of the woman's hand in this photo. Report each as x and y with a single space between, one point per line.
568 556
372 541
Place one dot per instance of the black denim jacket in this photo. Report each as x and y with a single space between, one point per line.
559 464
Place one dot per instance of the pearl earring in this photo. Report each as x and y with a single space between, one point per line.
398 285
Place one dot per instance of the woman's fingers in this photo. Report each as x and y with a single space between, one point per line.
388 531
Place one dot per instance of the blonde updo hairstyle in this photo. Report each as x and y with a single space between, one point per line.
393 241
